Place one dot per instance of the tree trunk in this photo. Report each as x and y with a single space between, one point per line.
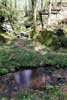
10 3
41 4
41 20
49 12
26 12
60 4
60 1
34 8
15 1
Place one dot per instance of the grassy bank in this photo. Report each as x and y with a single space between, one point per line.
58 59
12 57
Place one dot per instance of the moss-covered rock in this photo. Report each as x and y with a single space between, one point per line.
45 37
53 38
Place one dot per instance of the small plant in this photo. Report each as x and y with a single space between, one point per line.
6 98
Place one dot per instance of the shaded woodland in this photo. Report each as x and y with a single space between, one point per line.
33 37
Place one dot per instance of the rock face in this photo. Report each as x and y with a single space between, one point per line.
62 38
64 21
2 18
53 39
2 28
60 32
8 27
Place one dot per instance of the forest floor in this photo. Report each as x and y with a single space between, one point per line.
29 46
24 54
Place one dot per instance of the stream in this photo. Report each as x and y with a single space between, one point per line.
36 78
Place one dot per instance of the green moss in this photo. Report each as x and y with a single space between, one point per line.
51 39
59 59
51 93
12 57
46 37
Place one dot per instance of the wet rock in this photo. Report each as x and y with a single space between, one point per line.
64 21
2 18
38 78
8 27
13 95
66 77
2 87
60 32
53 80
2 28
23 35
64 90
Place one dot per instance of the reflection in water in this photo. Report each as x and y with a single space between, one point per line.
37 78
17 77
27 77
23 78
